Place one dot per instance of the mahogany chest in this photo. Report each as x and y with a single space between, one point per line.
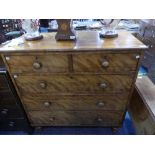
83 83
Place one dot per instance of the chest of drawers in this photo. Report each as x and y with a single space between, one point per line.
84 83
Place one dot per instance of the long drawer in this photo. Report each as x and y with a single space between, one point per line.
74 83
76 118
104 63
37 64
47 102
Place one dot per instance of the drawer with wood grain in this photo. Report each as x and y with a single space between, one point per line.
54 63
47 102
74 84
76 118
105 63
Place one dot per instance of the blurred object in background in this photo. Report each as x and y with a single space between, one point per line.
44 23
31 27
146 34
11 28
109 28
53 24
129 25
8 25
2 37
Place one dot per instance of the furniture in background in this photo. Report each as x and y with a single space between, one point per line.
12 115
147 35
142 106
75 83
11 28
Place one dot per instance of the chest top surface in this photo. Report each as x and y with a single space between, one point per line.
86 40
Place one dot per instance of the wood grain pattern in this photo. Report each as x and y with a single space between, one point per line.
76 118
114 63
74 84
71 77
86 40
74 102
54 63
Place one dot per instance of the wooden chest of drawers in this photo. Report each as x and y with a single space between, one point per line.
84 83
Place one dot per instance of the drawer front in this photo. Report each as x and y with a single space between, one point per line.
44 63
104 63
75 102
74 83
76 118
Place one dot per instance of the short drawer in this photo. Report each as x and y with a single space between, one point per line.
42 63
112 63
75 102
74 83
76 118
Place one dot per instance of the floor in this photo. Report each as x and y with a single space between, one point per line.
127 129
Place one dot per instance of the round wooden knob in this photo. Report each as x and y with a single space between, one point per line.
100 104
43 85
47 104
7 58
37 65
105 64
4 111
103 85
99 119
11 124
52 119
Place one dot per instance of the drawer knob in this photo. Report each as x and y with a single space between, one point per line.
52 119
11 124
4 111
47 104
137 56
105 64
99 119
15 76
100 104
103 85
43 85
37 65
7 58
